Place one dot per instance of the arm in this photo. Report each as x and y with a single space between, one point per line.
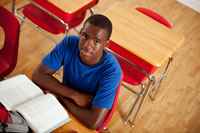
102 101
43 76
91 117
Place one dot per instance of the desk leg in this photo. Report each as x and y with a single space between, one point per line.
157 84
140 99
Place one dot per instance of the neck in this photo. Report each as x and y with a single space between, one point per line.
92 62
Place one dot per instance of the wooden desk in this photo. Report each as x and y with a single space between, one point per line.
69 5
72 126
142 35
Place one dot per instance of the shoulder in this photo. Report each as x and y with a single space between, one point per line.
111 64
67 44
70 40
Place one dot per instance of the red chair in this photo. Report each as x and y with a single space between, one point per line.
52 19
9 52
136 70
109 115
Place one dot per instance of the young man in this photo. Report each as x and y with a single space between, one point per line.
91 74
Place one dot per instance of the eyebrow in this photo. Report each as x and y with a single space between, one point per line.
96 37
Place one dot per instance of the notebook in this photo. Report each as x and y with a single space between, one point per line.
43 112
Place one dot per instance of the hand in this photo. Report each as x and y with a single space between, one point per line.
82 99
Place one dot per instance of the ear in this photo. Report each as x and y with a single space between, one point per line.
107 43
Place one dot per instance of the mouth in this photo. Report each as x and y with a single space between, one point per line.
85 53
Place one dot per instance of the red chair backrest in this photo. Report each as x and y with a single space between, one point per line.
135 70
9 52
155 16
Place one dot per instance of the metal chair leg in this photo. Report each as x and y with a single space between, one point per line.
129 88
17 13
143 95
23 18
157 85
13 6
134 104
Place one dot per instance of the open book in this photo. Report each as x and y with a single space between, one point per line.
43 112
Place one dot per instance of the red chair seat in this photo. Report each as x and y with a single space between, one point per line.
48 22
132 69
42 19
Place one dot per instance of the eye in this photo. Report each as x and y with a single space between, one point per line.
97 40
84 35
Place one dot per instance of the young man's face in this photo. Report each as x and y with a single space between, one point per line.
93 39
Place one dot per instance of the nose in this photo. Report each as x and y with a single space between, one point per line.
88 44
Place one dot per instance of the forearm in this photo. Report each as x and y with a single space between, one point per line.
51 84
89 117
43 77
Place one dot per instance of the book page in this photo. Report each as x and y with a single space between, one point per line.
17 90
44 113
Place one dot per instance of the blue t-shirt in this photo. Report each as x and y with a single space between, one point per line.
100 80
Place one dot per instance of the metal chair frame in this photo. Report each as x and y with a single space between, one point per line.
141 95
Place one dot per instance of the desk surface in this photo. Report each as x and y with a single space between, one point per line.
74 126
2 37
142 35
69 5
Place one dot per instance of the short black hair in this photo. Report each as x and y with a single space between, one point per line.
100 21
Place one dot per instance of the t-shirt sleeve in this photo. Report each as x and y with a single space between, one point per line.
55 58
107 88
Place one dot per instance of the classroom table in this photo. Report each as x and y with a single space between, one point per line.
147 39
142 35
